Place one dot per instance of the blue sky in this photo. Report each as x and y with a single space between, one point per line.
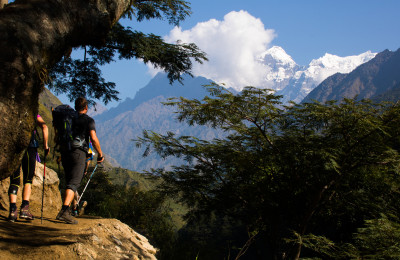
305 29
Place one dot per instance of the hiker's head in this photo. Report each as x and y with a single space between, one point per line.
81 104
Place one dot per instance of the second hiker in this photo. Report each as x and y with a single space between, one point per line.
28 166
74 158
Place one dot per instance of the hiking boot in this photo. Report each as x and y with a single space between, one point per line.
74 212
13 215
62 211
65 215
24 213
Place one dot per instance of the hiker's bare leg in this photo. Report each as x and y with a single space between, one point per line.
13 198
26 194
69 196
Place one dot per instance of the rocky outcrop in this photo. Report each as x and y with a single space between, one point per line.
92 238
112 239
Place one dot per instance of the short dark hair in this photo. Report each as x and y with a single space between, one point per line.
80 104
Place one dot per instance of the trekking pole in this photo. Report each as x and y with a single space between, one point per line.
91 175
44 176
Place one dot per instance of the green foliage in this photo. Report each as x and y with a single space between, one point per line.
319 244
123 177
379 239
175 59
128 179
172 10
284 169
211 237
82 77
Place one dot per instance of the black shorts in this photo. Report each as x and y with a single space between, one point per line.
74 163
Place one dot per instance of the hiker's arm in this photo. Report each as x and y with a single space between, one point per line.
45 130
96 145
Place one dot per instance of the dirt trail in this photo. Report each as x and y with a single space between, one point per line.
91 238
33 239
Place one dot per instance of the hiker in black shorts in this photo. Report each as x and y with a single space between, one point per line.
74 160
28 166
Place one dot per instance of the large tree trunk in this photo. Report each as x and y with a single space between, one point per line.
34 34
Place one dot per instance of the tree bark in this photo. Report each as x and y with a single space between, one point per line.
34 35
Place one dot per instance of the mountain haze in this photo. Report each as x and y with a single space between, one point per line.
118 127
158 86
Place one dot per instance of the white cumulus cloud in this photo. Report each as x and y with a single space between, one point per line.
232 47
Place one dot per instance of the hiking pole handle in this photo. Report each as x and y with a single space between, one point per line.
91 175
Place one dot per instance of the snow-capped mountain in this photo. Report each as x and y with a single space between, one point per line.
280 64
377 79
293 81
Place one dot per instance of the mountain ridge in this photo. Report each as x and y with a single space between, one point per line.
310 76
282 74
159 85
294 81
369 80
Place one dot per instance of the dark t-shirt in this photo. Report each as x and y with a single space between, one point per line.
82 127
